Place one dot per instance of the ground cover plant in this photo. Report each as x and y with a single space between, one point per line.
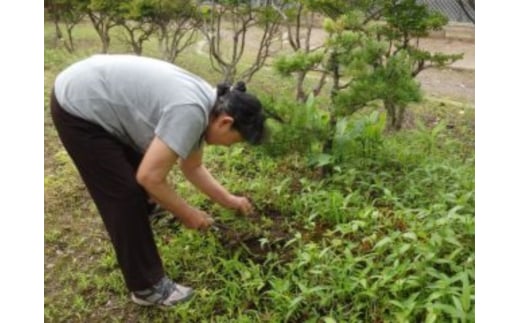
387 236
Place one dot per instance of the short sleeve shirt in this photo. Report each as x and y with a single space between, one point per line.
136 98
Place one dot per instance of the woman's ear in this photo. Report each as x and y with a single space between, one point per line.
225 121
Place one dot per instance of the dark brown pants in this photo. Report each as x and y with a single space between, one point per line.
108 169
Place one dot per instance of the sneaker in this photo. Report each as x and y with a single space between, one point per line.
165 293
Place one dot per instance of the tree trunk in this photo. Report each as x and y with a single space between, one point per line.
400 117
58 34
334 67
317 89
390 115
138 48
105 43
326 170
101 25
300 92
229 74
394 116
70 45
163 41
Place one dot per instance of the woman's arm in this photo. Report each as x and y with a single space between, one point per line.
152 175
201 178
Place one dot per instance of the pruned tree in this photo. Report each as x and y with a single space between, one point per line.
298 21
67 13
104 15
406 23
137 17
225 27
177 22
372 54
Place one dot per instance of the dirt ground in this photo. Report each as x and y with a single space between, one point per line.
456 82
457 85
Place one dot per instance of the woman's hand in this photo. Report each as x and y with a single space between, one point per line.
240 204
197 219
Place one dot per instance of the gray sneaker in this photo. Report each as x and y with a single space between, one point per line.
164 294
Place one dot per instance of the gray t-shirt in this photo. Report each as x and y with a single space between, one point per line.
136 98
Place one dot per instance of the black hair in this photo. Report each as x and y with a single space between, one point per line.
245 109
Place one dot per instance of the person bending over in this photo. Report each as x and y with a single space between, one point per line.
125 121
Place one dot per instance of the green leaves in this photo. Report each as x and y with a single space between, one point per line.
382 243
371 54
302 126
298 61
409 17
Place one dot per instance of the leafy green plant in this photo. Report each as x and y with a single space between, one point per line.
297 127
369 54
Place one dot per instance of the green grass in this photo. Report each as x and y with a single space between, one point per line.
389 237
